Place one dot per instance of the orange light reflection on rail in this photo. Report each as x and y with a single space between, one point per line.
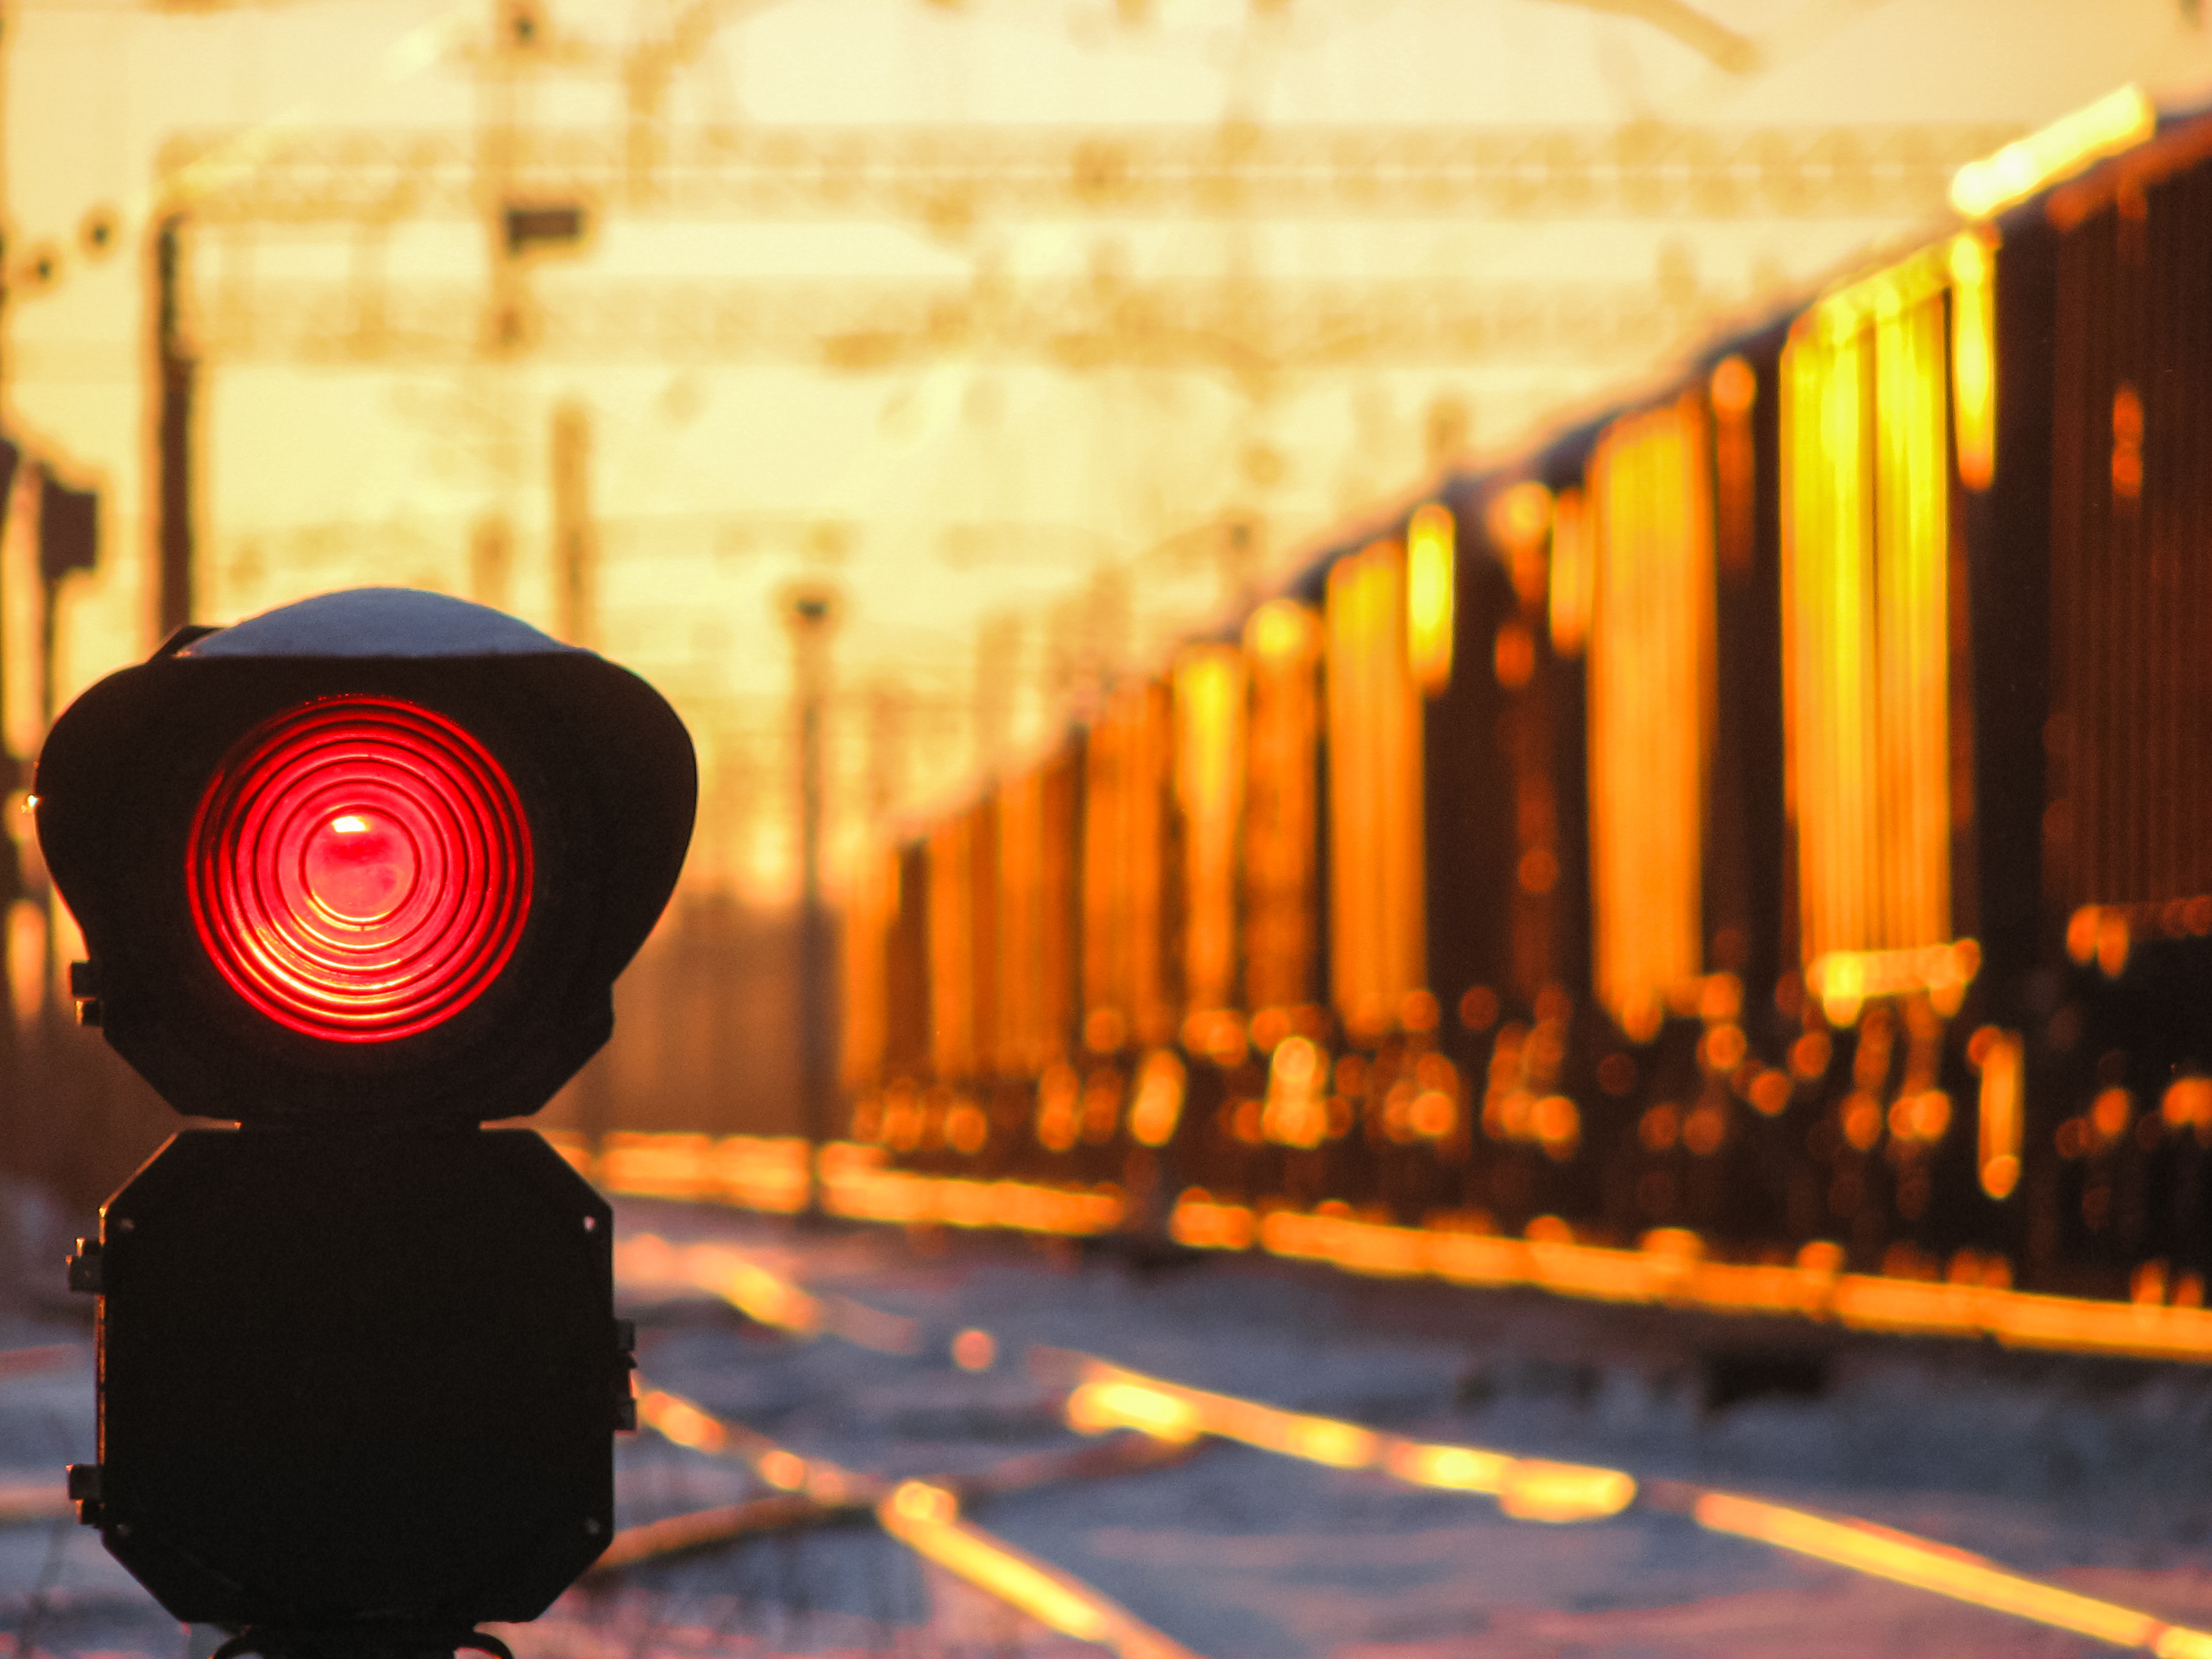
676 1419
1812 1289
645 1261
1097 1406
770 1174
1527 1488
680 1421
762 1296
856 1183
754 1172
1113 1398
1533 1489
927 1519
1964 1577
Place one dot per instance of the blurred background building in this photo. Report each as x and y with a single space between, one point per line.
883 378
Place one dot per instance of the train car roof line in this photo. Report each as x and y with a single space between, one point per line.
2181 141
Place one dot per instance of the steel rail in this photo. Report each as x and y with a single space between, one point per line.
923 1514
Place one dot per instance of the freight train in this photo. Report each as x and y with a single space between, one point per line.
1779 812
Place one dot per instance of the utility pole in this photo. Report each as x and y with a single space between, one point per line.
887 706
13 773
997 663
11 770
176 368
575 540
515 27
811 612
491 562
575 537
69 540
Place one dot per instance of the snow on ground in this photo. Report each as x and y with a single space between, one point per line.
2095 1474
60 1592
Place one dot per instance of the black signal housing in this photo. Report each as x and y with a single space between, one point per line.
358 876
362 1379
606 780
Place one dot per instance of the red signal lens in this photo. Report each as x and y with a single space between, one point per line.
359 869
360 866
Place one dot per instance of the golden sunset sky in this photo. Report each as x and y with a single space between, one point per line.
1000 523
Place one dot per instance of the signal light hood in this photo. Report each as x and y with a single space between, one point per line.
600 767
378 621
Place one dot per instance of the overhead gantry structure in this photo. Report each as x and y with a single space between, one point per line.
526 192
544 189
955 175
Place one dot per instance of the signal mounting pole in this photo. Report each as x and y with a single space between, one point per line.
810 611
176 370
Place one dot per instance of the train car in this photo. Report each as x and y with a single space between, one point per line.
962 979
1772 816
2116 1013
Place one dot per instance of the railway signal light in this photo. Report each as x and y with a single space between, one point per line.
357 876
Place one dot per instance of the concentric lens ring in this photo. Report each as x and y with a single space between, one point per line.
359 869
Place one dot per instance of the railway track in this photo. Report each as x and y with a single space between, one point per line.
1724 1472
860 1440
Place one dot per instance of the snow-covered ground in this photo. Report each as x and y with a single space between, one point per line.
2091 1473
2096 1476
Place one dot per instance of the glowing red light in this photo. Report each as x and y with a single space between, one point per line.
359 869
